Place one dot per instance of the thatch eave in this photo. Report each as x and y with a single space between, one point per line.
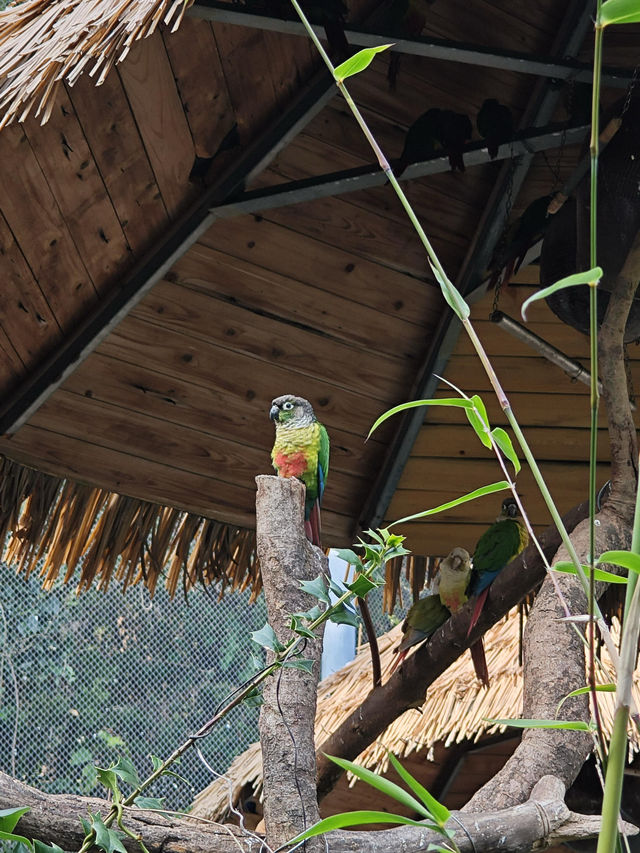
456 709
46 42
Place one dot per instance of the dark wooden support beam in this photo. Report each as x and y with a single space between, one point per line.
539 111
526 143
558 68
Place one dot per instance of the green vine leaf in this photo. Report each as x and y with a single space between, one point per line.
266 637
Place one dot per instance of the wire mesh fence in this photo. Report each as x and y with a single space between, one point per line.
85 679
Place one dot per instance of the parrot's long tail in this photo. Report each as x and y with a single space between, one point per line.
480 662
398 660
477 608
312 525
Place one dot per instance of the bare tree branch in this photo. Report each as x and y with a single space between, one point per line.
55 818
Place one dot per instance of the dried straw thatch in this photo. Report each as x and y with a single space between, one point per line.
456 709
45 42
61 526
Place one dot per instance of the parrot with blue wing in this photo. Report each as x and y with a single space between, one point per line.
497 547
301 450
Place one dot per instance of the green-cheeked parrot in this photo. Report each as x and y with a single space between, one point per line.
496 548
454 575
301 450
429 613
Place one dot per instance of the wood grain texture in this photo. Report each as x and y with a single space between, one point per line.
195 62
139 388
68 166
119 153
26 315
238 327
158 111
41 232
301 258
126 474
277 295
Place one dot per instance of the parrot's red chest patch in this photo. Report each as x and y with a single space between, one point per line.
291 464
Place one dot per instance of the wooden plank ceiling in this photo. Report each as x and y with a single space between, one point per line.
329 299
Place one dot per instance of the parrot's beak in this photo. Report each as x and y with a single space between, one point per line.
274 412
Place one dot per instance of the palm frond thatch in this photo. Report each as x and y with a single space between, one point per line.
45 42
60 526
456 709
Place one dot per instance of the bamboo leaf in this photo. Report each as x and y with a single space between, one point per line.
384 785
502 439
414 404
436 809
568 725
357 818
568 568
358 62
471 496
600 688
620 12
451 294
626 559
594 274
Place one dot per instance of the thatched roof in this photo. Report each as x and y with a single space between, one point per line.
70 526
456 709
43 43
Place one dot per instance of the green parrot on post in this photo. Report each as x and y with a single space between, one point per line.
429 613
301 449
497 547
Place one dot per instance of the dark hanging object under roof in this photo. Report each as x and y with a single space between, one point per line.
565 249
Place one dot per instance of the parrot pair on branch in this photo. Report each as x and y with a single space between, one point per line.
462 577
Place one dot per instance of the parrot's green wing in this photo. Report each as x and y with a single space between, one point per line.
423 618
323 459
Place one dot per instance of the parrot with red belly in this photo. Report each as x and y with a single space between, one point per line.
301 450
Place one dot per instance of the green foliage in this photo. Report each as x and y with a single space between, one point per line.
416 798
568 568
591 276
358 62
568 725
620 12
470 496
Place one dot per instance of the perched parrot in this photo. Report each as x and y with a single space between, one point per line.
301 450
455 132
433 131
497 547
495 124
520 236
429 613
454 576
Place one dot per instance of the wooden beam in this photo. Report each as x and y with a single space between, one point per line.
558 68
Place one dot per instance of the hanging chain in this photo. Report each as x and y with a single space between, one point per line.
630 88
508 205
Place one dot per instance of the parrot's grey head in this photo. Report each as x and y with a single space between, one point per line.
291 411
509 509
458 559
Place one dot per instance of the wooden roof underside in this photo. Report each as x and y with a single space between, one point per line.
329 298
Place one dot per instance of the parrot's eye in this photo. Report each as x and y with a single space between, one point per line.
287 406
